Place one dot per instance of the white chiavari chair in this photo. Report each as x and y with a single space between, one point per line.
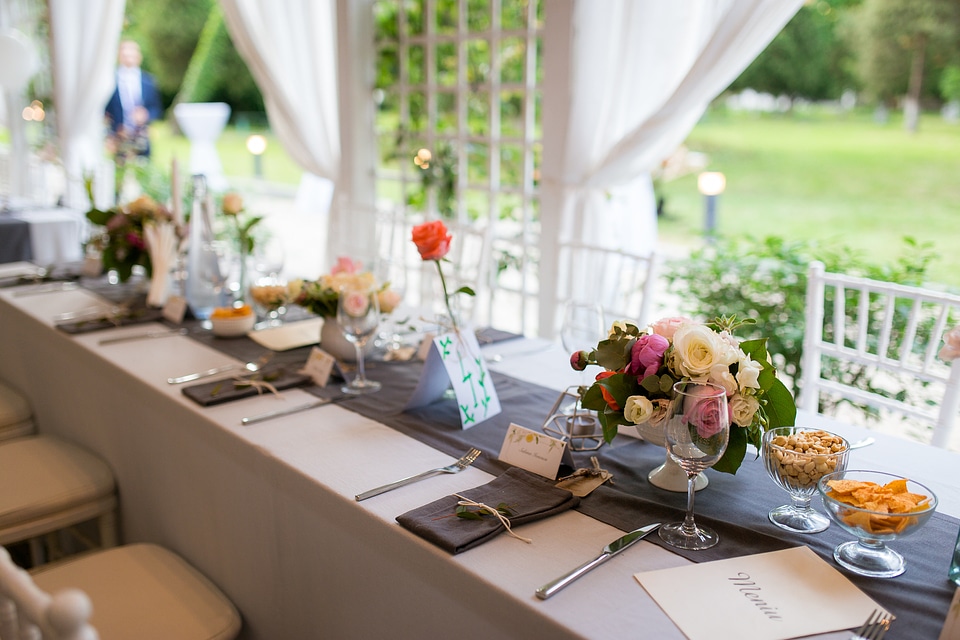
895 333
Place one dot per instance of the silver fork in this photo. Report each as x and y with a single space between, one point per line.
465 461
875 627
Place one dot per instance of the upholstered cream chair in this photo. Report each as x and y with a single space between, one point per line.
48 484
139 591
16 418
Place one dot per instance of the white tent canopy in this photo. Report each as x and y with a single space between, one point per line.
624 85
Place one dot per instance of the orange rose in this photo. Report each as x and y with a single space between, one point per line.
611 402
432 240
232 204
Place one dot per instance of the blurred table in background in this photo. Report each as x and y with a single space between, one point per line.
45 236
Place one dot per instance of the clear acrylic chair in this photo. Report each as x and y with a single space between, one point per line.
889 332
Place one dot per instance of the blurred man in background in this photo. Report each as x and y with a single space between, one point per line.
134 104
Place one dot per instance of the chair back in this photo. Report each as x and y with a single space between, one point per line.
620 281
29 613
889 333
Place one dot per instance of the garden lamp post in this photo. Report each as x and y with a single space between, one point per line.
256 145
711 184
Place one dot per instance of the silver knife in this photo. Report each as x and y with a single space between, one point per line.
47 288
609 551
204 374
145 336
285 412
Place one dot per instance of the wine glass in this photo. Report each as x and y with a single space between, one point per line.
582 328
270 295
697 431
393 275
358 315
796 458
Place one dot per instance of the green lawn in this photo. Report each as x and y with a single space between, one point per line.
813 175
836 178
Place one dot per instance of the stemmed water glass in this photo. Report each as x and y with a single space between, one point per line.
582 328
697 431
358 315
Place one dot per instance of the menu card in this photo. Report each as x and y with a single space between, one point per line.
768 596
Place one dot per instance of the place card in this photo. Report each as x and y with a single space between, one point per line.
767 596
531 450
175 309
319 366
455 359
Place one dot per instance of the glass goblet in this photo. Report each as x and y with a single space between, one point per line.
270 295
796 458
358 315
697 432
582 328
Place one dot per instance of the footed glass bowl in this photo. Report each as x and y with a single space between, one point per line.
909 504
796 458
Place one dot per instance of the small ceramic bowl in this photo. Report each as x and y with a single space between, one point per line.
232 322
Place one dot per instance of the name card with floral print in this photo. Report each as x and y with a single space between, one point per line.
532 450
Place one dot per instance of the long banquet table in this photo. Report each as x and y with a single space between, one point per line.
267 510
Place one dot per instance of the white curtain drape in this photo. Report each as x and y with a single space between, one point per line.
83 48
632 81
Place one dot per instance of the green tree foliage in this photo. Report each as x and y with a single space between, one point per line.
898 39
169 33
806 59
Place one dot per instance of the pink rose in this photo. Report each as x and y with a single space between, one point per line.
232 204
356 303
704 413
950 350
668 326
345 265
646 356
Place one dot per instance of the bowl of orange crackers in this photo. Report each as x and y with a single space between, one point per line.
878 508
232 322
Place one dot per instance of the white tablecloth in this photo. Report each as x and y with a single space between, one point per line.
267 511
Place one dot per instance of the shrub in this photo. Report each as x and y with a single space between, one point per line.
766 279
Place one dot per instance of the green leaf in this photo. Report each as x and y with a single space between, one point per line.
730 461
756 349
613 354
593 399
781 409
466 290
98 217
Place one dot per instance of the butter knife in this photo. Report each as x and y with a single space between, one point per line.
285 412
47 288
145 336
608 552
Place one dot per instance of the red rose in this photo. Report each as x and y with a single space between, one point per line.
611 402
432 240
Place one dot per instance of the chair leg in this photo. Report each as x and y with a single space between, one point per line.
107 524
38 555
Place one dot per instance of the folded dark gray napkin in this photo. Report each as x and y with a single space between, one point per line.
528 496
137 315
208 394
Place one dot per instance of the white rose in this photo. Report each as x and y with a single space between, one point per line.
698 349
743 409
619 324
720 375
638 409
748 373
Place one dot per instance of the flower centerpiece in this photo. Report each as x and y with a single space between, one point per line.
123 243
320 296
433 243
641 367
